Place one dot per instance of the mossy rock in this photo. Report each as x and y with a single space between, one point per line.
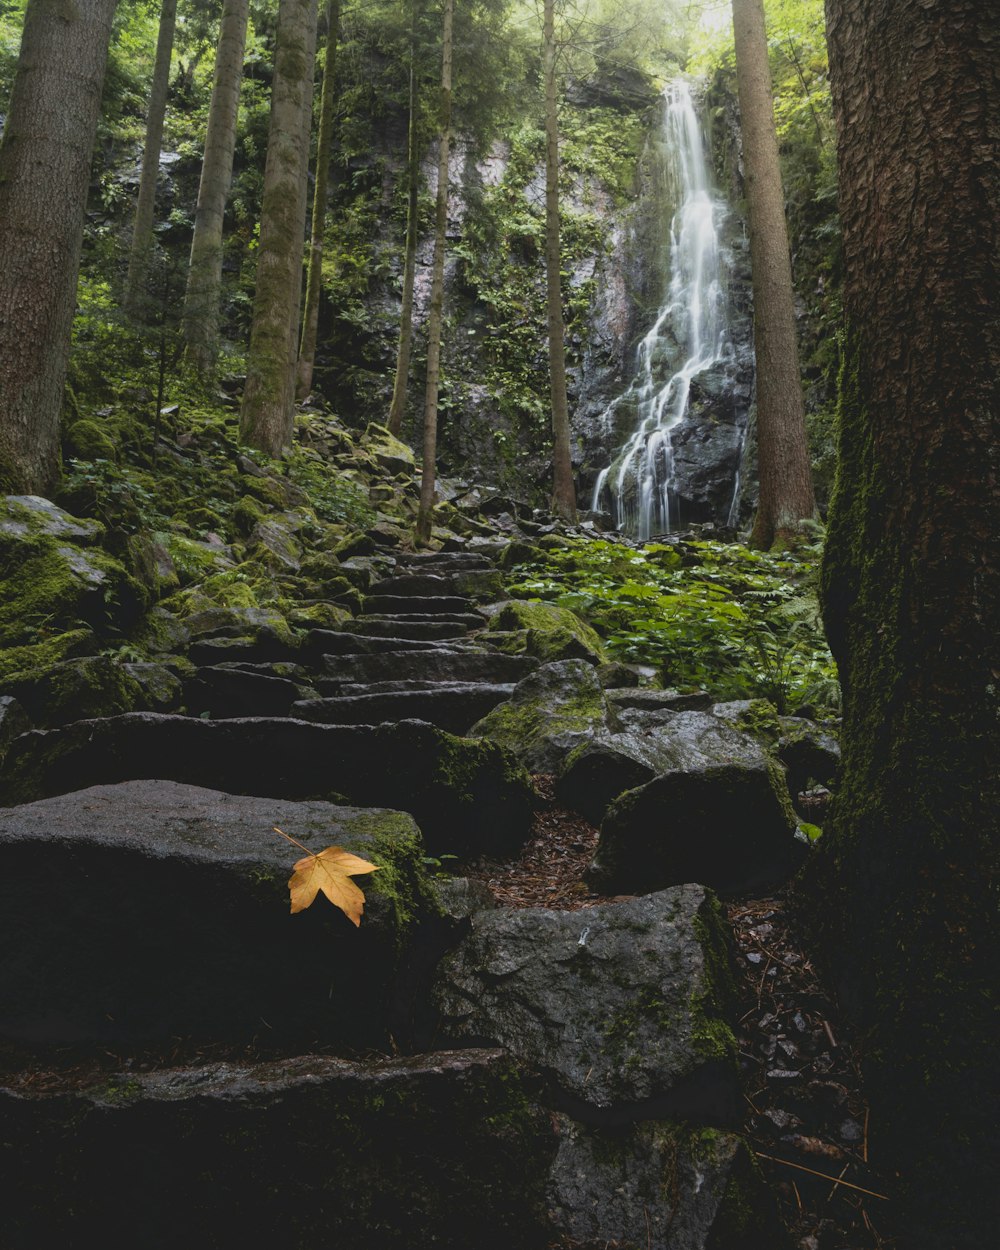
246 513
554 633
194 560
78 689
387 451
88 439
34 657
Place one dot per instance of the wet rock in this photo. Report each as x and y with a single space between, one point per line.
551 712
443 1150
149 910
230 690
453 706
623 1006
427 663
469 798
660 1184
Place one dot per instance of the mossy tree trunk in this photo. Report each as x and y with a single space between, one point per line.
563 485
398 405
200 325
784 471
912 596
137 297
435 316
314 280
44 174
268 410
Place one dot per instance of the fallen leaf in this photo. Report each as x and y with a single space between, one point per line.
330 872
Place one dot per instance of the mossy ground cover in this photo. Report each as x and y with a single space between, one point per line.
719 617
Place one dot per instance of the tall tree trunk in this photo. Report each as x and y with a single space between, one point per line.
267 413
44 174
436 314
398 405
563 486
786 488
310 316
912 596
142 229
200 325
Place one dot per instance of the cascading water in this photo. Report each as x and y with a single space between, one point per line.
689 337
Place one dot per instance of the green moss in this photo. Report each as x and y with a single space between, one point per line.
90 440
77 689
16 662
402 880
554 633
711 1007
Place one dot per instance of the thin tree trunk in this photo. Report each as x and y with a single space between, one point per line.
267 413
136 295
200 325
314 282
398 404
436 314
44 175
786 489
563 486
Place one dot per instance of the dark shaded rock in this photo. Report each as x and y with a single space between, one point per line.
729 826
161 687
408 604
265 646
421 626
808 751
623 1006
551 712
660 1184
443 1150
595 773
14 721
336 642
659 700
149 910
77 690
462 897
422 585
470 798
449 705
617 676
429 664
228 690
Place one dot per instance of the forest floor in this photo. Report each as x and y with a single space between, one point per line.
807 1118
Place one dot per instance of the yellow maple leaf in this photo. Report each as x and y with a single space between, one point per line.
329 872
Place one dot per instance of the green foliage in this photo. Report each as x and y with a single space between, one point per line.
333 498
712 616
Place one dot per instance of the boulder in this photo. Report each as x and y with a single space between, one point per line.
551 712
77 690
469 798
726 825
659 1183
443 1150
553 633
139 912
622 1006
14 721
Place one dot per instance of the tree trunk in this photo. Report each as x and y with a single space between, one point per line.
44 174
563 486
436 314
396 408
912 595
200 325
786 489
310 317
267 414
136 283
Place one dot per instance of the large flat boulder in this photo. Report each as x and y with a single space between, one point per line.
622 1006
150 910
469 798
442 1150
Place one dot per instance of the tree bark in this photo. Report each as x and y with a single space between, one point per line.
436 313
563 485
314 282
398 405
44 174
911 584
268 410
136 295
786 488
200 325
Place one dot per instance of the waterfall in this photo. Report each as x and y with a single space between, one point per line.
689 336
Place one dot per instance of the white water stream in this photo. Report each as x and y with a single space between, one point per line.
689 336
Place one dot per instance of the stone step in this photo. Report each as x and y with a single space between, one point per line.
423 627
445 561
454 706
329 642
426 585
446 1150
469 797
135 913
232 690
472 620
408 604
440 664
